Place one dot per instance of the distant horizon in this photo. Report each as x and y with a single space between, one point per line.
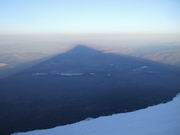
86 33
88 17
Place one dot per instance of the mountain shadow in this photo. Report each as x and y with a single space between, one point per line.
81 83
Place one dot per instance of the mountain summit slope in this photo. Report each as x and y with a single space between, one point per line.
162 119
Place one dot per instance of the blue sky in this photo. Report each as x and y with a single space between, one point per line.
89 16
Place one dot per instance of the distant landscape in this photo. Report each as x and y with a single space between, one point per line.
89 67
80 83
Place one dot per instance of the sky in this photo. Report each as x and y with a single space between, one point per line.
89 16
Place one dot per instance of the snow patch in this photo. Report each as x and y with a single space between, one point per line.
71 74
39 74
144 67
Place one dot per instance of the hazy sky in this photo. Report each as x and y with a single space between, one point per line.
89 16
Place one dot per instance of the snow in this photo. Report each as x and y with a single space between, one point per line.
71 74
162 119
57 73
144 67
39 74
92 73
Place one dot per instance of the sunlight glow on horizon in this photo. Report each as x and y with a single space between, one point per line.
84 16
